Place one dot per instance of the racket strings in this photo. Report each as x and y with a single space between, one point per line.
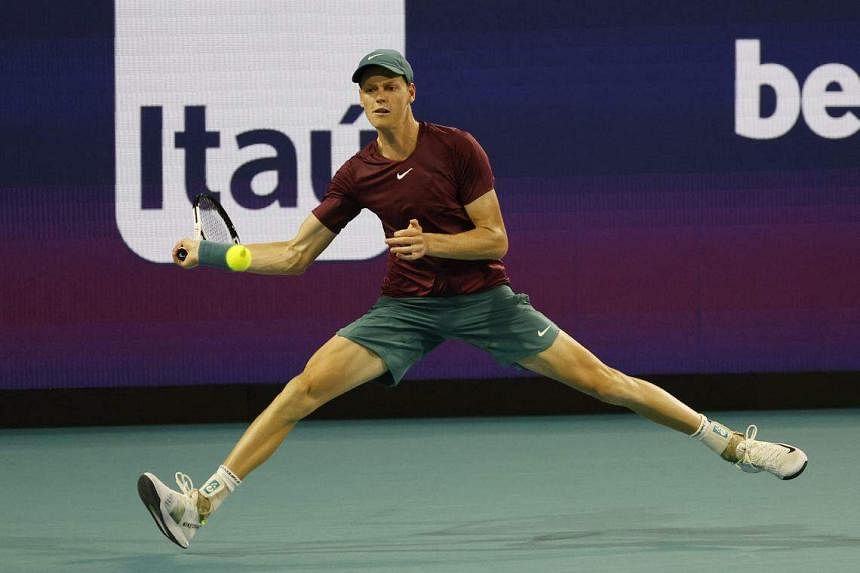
212 225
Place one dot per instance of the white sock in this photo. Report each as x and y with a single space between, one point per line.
712 434
219 486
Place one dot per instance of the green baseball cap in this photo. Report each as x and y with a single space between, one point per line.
388 59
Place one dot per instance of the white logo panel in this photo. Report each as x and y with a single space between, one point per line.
248 99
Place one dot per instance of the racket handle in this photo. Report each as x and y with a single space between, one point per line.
181 254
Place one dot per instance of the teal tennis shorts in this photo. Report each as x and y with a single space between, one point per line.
402 330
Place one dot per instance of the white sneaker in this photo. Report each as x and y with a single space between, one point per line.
175 512
782 460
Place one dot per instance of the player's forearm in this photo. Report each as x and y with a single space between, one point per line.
478 244
294 256
284 258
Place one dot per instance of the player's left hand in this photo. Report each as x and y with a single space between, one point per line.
408 243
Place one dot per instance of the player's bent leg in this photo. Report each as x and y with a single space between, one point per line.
338 366
569 362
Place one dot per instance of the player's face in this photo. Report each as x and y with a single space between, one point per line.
386 98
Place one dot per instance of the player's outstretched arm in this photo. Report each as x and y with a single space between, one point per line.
488 240
291 257
282 258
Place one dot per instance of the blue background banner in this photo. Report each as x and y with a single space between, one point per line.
639 220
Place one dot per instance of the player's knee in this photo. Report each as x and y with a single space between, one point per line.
610 385
299 398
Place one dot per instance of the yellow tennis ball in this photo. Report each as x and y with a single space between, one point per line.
238 258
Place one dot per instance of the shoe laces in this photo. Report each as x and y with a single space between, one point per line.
758 454
186 486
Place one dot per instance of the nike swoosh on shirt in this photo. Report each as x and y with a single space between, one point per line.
404 174
542 332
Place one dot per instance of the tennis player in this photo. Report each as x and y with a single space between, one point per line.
433 189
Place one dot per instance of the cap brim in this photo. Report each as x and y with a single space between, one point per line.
356 76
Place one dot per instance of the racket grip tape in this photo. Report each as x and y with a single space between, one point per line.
181 254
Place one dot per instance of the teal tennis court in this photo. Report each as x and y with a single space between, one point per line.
578 493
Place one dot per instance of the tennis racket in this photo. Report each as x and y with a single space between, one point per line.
211 223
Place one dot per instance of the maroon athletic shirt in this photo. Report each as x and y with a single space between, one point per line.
447 170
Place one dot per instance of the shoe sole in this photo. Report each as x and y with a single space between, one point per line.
794 475
150 499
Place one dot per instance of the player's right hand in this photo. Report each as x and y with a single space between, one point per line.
191 260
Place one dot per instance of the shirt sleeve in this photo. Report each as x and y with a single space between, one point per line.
338 206
475 176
